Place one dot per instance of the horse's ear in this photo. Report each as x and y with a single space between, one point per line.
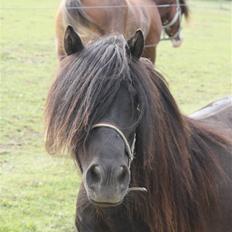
136 44
72 41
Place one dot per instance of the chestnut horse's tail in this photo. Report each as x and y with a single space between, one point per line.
75 15
71 12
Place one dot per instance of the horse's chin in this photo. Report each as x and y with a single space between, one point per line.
105 204
177 42
103 200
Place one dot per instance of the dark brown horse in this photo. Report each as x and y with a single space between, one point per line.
171 12
145 166
101 17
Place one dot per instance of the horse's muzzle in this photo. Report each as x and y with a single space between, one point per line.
106 186
177 41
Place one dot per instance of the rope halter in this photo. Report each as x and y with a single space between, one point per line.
129 149
177 16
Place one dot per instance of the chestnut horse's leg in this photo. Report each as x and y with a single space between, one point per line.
153 37
151 42
150 53
60 30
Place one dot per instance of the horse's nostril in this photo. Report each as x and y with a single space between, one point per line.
94 175
123 174
112 178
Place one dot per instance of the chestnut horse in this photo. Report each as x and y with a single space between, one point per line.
95 18
145 166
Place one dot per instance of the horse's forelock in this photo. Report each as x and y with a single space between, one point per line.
83 91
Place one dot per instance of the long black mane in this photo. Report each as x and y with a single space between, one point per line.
174 157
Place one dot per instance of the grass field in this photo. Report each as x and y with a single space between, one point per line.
37 192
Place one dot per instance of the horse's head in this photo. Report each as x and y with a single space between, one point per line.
109 152
172 19
98 107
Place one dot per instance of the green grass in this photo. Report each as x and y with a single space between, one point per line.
38 192
200 71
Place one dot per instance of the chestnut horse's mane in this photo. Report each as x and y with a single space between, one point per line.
175 160
185 8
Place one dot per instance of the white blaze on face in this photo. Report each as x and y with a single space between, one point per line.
177 41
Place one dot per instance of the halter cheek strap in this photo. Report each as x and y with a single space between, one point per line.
130 149
177 16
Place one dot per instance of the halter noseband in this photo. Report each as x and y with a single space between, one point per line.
130 149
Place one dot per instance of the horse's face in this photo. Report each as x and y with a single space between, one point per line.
106 171
172 24
174 33
105 163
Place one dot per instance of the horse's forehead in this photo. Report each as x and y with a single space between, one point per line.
104 140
